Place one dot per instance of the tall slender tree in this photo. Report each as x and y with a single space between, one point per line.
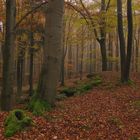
102 40
125 56
129 39
8 57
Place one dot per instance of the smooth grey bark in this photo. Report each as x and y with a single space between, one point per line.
52 51
7 95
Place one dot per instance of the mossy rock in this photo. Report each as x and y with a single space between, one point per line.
16 121
38 106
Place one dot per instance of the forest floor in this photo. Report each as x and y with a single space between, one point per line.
110 111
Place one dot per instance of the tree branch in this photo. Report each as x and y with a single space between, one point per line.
28 13
92 23
108 4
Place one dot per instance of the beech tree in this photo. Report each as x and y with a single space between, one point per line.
52 50
7 95
125 56
101 38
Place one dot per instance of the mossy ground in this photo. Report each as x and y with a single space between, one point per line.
16 121
81 88
38 106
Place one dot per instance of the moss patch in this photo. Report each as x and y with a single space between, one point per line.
89 85
81 87
115 121
136 104
68 91
134 138
16 121
84 88
38 106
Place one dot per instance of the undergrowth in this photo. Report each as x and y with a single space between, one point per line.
38 106
16 121
82 87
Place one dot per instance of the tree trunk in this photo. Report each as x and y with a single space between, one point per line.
90 56
121 39
82 53
31 71
20 63
102 41
63 68
70 61
129 39
7 95
18 77
110 51
81 61
103 54
77 59
62 73
31 51
117 53
52 50
125 58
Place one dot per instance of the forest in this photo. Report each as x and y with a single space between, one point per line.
69 69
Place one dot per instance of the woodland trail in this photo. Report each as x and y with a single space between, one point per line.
109 112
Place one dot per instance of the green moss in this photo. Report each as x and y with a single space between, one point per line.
131 82
134 138
115 121
88 86
38 106
81 88
84 87
97 77
16 121
60 97
128 83
136 104
68 91
96 82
